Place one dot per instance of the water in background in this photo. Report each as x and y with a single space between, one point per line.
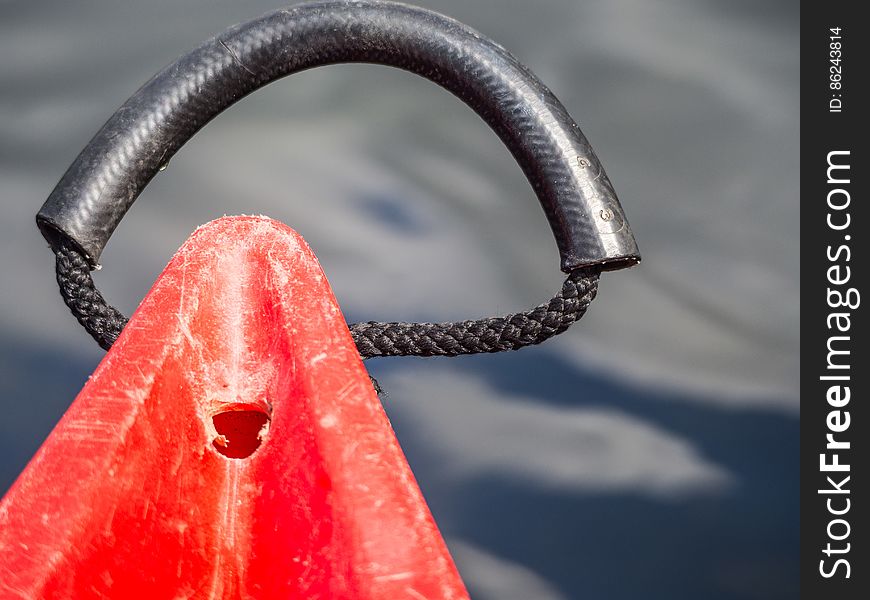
649 452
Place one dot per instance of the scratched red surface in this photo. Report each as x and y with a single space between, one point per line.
135 494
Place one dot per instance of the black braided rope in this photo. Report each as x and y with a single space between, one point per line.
493 334
103 321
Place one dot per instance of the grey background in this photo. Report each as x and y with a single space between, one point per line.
649 452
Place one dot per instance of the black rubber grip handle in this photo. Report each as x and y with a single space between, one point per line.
110 173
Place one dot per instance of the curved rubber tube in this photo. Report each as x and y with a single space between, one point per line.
106 178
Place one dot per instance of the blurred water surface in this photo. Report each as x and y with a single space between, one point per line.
649 452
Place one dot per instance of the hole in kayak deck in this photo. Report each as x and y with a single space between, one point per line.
240 432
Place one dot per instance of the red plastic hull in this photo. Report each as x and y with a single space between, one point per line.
143 491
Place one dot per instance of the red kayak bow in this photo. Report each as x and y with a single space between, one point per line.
230 445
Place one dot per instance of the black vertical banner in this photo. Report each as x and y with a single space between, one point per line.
834 226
